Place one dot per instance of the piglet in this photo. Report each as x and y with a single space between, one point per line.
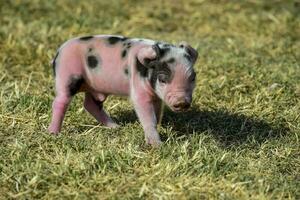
147 71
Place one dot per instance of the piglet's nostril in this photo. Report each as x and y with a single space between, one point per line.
177 105
182 105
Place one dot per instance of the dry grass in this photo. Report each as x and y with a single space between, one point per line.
240 140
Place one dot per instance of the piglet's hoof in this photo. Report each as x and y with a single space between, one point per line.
113 125
154 142
53 131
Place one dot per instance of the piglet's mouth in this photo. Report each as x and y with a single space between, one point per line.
178 110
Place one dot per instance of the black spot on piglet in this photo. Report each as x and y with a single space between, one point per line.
126 71
86 38
143 71
124 53
75 84
188 57
164 51
92 61
114 39
171 60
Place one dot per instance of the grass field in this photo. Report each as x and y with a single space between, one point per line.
240 140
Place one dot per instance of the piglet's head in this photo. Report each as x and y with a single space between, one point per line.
169 69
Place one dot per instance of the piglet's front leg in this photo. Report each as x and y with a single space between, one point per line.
145 110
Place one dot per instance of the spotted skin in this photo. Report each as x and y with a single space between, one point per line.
171 60
124 53
115 39
147 71
126 72
161 73
188 57
92 61
164 51
126 48
142 69
75 84
85 38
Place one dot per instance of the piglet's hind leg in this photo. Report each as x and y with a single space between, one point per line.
95 108
59 106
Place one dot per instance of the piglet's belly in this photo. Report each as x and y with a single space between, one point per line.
109 85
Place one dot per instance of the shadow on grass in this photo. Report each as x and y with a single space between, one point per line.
228 128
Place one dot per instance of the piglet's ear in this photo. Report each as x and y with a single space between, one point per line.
148 54
190 51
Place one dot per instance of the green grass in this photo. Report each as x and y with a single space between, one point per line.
240 140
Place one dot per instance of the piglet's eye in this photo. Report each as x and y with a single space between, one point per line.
162 78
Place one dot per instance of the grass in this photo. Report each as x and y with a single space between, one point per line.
240 140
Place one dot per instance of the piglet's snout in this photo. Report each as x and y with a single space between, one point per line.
181 104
